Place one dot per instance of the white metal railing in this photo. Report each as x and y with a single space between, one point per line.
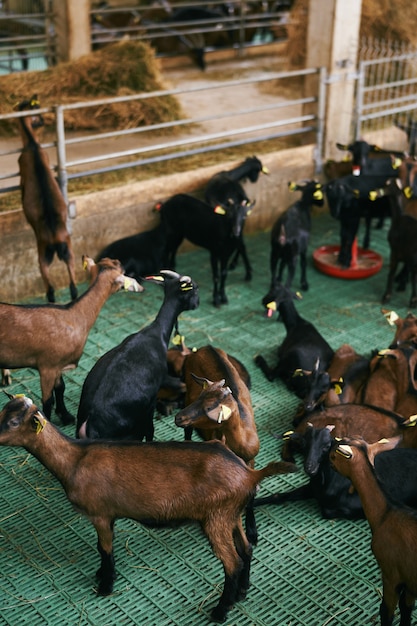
289 120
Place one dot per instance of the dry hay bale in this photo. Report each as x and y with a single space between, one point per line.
123 68
380 19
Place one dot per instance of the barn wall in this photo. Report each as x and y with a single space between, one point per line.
108 215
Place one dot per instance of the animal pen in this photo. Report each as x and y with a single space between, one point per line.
306 570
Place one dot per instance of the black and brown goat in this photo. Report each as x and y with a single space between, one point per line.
43 204
51 337
394 532
153 483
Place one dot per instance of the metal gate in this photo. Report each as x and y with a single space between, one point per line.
387 87
27 39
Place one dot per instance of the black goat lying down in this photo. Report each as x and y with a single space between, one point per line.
119 395
141 254
303 350
218 230
154 483
314 438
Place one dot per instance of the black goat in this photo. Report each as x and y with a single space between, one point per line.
224 188
402 238
302 349
217 230
348 200
140 254
314 438
119 395
291 233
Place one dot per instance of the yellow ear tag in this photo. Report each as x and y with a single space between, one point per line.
383 441
40 422
292 186
373 195
396 163
408 192
159 278
318 195
265 170
178 339
224 414
85 266
219 210
383 353
338 389
272 306
287 434
297 372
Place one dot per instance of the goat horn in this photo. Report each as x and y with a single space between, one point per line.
170 273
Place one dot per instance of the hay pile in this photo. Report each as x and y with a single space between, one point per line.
380 19
119 69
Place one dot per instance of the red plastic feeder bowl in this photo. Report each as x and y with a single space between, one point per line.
364 263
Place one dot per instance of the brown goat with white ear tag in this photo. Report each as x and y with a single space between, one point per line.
222 410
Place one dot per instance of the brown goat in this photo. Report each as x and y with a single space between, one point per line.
51 337
391 383
394 532
222 410
153 483
43 203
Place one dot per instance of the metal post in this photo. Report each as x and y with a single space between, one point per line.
359 100
321 116
61 151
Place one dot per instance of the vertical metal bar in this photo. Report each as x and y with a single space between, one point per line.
359 100
61 151
321 112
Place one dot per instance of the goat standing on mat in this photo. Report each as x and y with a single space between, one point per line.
43 203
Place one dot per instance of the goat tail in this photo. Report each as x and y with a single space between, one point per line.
62 251
275 467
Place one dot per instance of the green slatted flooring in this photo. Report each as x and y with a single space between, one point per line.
306 571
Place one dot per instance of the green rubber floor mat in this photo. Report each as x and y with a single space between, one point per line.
306 571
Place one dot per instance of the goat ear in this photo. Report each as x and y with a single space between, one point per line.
204 382
390 316
219 210
330 427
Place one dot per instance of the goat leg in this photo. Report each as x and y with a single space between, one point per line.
60 408
413 300
390 280
304 492
270 373
251 529
106 574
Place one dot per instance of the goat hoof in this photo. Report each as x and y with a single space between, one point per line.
66 419
386 298
219 614
304 286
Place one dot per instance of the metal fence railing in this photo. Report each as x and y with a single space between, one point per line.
387 86
126 148
27 40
